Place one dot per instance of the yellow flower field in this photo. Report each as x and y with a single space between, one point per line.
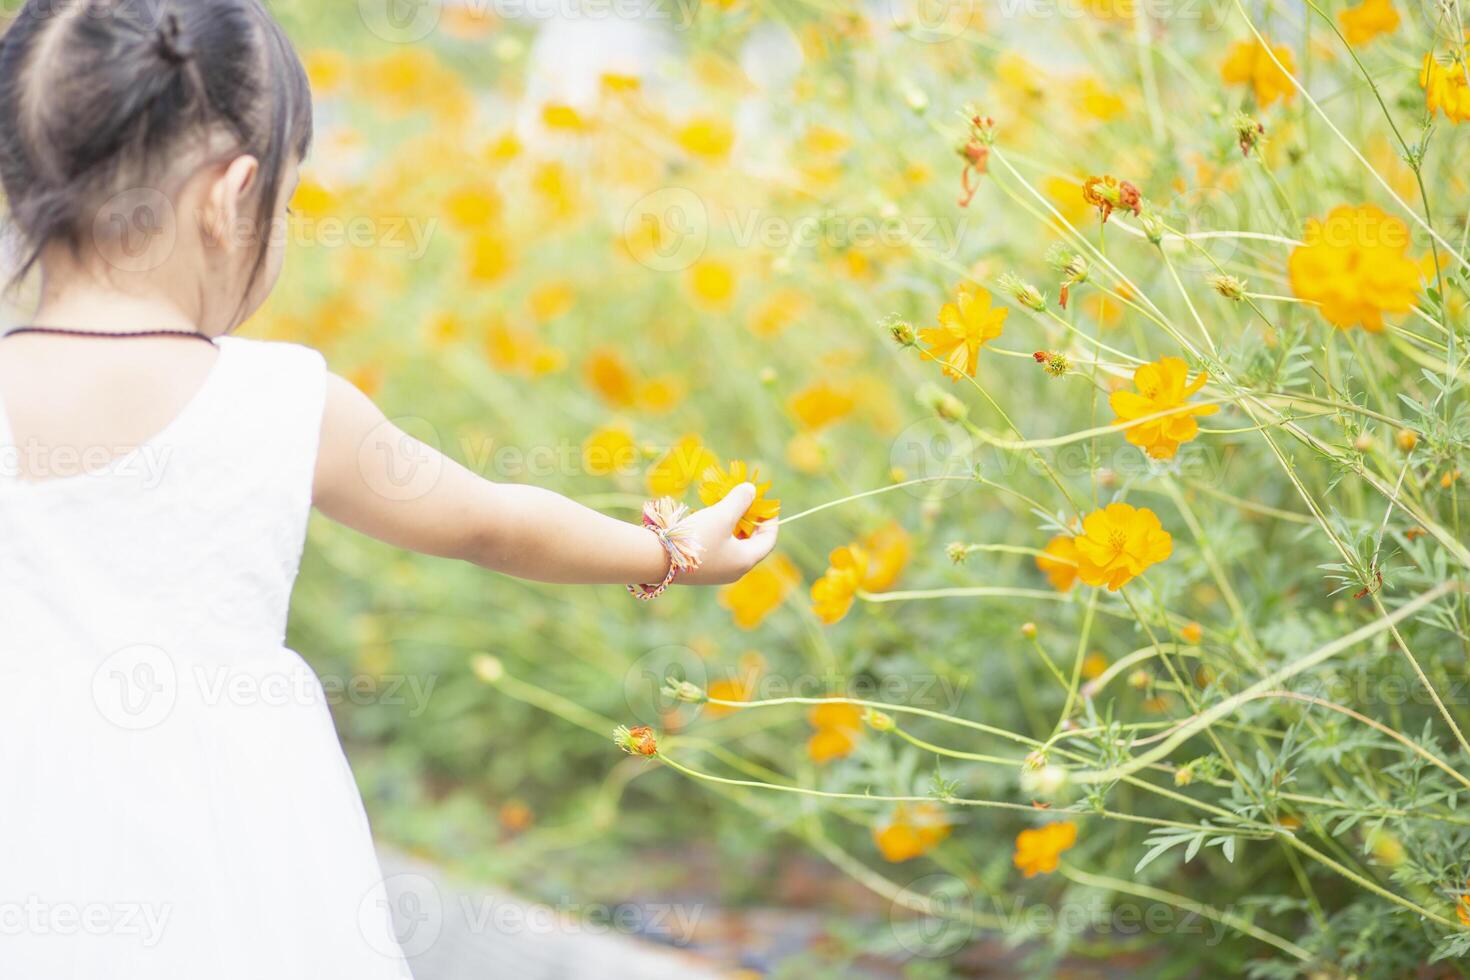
1104 366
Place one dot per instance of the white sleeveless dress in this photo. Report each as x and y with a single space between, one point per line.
174 802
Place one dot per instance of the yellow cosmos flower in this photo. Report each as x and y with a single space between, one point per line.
1462 906
1065 194
551 300
719 482
707 137
837 729
833 593
312 200
1059 563
805 454
488 258
555 115
326 70
911 831
677 469
1355 267
1095 100
871 565
1445 87
713 284
1038 849
608 451
760 591
821 404
520 351
660 395
1118 543
778 312
1249 63
1163 386
1367 20
472 206
556 188
965 326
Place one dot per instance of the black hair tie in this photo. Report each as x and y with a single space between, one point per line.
170 42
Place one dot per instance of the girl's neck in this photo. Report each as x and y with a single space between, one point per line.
82 305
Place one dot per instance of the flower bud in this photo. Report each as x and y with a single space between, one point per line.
1045 782
1230 287
684 691
957 551
1022 292
1407 439
487 668
878 721
1028 630
900 330
636 741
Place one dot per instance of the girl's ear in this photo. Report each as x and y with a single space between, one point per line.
222 204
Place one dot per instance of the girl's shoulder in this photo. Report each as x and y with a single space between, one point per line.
265 354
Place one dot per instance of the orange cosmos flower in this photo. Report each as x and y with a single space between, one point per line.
1163 386
1118 543
911 832
737 687
1462 906
1445 88
1368 20
832 594
837 729
609 375
719 482
1038 849
888 550
871 565
965 326
1249 63
757 593
1059 563
1355 267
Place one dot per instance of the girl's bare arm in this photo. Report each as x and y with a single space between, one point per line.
373 477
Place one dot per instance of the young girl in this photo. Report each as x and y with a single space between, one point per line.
175 800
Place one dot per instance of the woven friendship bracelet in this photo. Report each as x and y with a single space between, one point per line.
665 518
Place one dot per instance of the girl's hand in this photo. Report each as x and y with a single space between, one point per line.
373 477
724 557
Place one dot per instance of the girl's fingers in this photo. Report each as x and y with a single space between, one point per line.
735 504
761 543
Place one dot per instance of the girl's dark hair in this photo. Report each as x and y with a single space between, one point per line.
97 97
